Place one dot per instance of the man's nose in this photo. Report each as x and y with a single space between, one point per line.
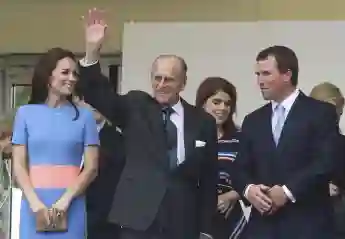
161 83
72 77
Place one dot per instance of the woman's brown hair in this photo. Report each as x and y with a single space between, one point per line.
211 86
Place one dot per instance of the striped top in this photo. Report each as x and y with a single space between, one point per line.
227 153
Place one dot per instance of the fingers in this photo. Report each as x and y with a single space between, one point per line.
265 203
94 16
264 188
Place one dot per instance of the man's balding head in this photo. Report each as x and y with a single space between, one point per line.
168 78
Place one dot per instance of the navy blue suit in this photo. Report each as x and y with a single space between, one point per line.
303 161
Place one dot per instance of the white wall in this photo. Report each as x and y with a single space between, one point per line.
229 50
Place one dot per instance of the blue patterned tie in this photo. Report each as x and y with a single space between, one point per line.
171 134
279 112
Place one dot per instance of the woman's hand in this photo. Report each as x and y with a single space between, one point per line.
41 212
37 206
226 200
62 204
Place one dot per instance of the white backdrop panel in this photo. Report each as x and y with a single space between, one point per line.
210 49
229 50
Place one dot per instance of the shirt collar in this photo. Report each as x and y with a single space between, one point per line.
178 108
288 102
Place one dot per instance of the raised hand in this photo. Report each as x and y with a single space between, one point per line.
95 30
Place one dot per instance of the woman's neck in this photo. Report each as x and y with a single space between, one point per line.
220 131
55 101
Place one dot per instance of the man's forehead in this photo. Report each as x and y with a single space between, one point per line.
268 63
167 66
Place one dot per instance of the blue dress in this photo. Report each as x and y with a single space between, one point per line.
53 137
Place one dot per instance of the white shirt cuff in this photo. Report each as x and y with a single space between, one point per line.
247 190
84 63
208 235
288 193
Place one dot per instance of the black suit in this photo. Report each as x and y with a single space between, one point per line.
339 180
303 161
148 190
100 193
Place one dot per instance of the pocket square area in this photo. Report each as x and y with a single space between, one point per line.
199 143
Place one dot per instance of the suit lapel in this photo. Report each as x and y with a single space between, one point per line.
267 133
292 119
154 119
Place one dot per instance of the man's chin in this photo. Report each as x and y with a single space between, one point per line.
266 97
162 101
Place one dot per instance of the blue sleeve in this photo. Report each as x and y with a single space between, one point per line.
90 130
20 132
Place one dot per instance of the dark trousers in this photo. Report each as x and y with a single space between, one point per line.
149 234
103 231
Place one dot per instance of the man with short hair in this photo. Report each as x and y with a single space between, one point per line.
168 188
286 155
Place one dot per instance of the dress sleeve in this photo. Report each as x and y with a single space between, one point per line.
20 131
90 130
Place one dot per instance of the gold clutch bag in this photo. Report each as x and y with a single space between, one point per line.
56 221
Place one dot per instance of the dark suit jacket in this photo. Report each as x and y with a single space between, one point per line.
100 193
146 179
339 173
303 161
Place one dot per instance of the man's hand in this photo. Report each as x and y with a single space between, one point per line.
95 29
333 190
258 198
278 197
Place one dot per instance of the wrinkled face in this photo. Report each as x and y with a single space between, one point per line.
97 116
168 80
218 105
63 78
272 83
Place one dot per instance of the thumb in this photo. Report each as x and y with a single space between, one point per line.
264 188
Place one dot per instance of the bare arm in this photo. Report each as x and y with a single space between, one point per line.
20 163
90 170
20 170
87 175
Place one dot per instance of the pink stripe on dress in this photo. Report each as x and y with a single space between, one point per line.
53 176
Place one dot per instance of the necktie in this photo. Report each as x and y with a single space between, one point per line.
171 136
279 112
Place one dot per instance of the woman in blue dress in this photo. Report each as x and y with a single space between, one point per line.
50 137
217 96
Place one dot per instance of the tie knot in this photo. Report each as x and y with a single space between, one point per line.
279 108
168 110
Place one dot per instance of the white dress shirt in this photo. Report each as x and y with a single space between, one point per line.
177 117
287 104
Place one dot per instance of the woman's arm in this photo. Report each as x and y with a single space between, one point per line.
90 169
20 170
87 175
20 163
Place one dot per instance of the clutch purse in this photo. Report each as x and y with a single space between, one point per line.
56 221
